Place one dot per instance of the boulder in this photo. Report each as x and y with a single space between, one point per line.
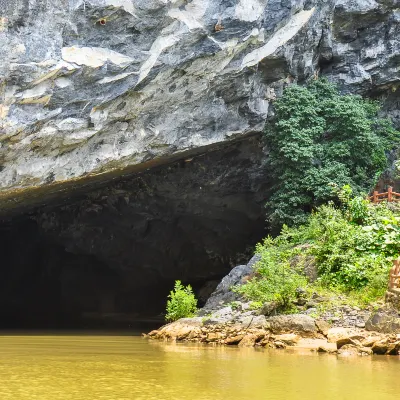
335 334
344 341
364 351
234 340
290 339
279 345
369 341
348 350
305 262
214 336
223 293
269 308
248 341
221 316
322 326
380 347
251 321
265 341
179 330
384 321
327 349
301 324
393 349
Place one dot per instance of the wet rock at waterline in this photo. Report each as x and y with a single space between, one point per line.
93 88
299 334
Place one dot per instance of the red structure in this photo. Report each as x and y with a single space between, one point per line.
389 196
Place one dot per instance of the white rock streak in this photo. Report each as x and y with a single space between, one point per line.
249 10
157 48
109 79
192 15
94 57
127 5
185 17
282 36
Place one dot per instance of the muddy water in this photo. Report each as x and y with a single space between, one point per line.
131 368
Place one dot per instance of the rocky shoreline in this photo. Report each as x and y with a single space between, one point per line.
295 331
325 324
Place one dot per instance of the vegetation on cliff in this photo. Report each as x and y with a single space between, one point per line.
350 247
319 138
326 151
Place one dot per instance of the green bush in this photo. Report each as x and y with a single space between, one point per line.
182 302
277 280
320 138
352 248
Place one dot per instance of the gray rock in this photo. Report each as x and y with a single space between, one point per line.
252 321
311 304
384 321
223 293
92 88
311 310
269 308
297 323
223 315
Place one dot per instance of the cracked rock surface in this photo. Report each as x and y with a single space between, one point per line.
90 88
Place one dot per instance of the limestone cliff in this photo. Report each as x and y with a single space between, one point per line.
95 88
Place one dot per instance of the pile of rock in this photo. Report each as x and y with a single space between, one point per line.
361 342
223 297
278 332
344 316
294 331
341 329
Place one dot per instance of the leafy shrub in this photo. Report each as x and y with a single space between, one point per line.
277 280
182 302
352 247
320 138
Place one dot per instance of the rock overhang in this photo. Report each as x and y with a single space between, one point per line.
95 88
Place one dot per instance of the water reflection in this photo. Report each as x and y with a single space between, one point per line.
124 367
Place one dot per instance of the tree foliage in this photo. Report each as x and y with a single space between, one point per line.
321 139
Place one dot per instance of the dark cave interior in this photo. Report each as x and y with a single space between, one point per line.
110 256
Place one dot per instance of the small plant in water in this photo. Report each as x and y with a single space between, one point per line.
182 303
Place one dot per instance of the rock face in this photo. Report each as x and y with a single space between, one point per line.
92 88
223 293
133 127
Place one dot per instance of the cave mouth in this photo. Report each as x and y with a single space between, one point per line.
108 258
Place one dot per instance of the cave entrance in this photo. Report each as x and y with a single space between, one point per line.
108 258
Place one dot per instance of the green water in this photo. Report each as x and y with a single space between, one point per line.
130 368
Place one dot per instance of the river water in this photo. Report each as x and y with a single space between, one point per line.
79 367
